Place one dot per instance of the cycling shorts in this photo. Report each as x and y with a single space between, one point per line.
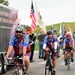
54 55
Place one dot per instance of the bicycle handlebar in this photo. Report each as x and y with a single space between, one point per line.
14 58
48 50
69 49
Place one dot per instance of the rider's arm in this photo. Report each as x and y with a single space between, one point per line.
10 48
24 50
44 46
11 44
25 44
45 43
55 43
64 44
73 44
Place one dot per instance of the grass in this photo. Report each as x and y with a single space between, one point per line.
66 24
36 46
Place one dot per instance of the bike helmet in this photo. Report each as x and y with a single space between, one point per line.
49 32
68 34
18 28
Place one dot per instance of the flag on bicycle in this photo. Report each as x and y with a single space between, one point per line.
69 30
39 19
32 16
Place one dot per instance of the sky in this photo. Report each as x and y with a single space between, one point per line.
52 11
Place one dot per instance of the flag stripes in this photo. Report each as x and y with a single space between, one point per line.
32 16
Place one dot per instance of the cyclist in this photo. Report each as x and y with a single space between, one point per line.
50 43
19 43
68 44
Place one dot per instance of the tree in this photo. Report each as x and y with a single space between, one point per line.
4 2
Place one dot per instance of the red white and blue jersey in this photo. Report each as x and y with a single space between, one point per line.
19 43
68 43
50 42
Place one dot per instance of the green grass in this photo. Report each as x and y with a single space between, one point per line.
36 46
66 24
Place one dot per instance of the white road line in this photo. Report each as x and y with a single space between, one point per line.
43 62
63 63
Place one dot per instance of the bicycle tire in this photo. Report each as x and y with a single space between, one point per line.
47 72
0 65
16 72
19 72
52 73
51 69
48 68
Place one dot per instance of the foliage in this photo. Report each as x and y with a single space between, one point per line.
4 2
25 27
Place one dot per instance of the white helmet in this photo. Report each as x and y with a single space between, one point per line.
19 28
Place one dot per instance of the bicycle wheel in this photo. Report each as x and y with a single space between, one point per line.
51 69
0 65
16 72
47 68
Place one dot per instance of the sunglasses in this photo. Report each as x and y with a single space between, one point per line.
18 31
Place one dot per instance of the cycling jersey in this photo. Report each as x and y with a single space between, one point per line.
50 43
19 43
68 43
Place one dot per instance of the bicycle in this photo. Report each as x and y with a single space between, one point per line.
19 68
49 65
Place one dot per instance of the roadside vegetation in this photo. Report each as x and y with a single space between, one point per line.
64 24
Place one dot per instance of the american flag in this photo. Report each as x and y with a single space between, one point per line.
32 16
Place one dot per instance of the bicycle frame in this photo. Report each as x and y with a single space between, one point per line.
18 66
49 65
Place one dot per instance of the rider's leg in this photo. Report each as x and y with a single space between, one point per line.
27 63
65 57
72 54
54 60
46 55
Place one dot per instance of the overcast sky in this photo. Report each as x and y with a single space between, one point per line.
52 11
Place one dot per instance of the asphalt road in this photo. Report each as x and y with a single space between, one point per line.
38 67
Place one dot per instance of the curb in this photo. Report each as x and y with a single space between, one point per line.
35 51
